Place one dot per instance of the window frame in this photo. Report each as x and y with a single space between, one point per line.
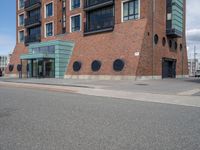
79 14
20 8
45 9
19 36
45 29
70 5
122 10
19 25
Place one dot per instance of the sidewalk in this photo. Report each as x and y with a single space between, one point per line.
174 91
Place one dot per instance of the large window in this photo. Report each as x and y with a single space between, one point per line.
75 4
75 23
21 4
49 29
130 10
21 36
21 20
49 10
100 19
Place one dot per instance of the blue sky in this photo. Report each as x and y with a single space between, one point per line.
8 21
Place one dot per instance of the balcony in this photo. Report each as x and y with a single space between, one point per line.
32 39
32 4
102 25
94 4
33 21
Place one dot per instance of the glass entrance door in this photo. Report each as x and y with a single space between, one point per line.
43 68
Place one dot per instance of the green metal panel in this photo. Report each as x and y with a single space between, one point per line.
62 53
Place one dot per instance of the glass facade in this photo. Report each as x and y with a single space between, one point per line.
21 19
21 36
21 4
175 20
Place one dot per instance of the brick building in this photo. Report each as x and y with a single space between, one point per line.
105 39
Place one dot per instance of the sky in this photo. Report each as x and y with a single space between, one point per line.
8 30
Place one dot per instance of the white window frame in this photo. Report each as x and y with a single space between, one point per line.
19 5
19 19
45 30
70 22
19 36
122 10
70 5
45 11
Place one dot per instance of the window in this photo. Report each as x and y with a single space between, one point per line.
21 4
75 4
21 36
130 10
75 23
49 10
21 20
49 29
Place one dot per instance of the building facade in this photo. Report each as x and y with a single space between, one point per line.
3 63
106 39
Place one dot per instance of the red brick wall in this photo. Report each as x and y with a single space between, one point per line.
126 39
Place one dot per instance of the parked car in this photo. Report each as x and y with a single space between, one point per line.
197 74
1 74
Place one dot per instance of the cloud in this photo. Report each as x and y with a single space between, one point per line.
193 35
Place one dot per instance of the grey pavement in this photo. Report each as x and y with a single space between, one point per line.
33 119
167 86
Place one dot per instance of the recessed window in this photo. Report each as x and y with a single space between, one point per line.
163 41
170 43
21 4
156 39
181 47
49 10
21 20
77 66
75 4
96 65
75 23
49 29
175 45
130 10
21 36
118 65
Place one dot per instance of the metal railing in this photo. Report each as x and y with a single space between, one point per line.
29 3
31 39
33 20
101 24
90 3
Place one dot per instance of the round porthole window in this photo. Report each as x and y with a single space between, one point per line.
163 41
11 67
96 65
156 39
19 67
118 65
77 66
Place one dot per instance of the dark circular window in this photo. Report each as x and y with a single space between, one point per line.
163 41
170 43
19 67
175 45
11 67
96 65
118 65
156 38
77 66
181 47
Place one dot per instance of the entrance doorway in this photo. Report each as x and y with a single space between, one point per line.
43 68
168 68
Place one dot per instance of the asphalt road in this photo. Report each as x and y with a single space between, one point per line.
46 120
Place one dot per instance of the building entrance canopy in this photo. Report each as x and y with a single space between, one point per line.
54 55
